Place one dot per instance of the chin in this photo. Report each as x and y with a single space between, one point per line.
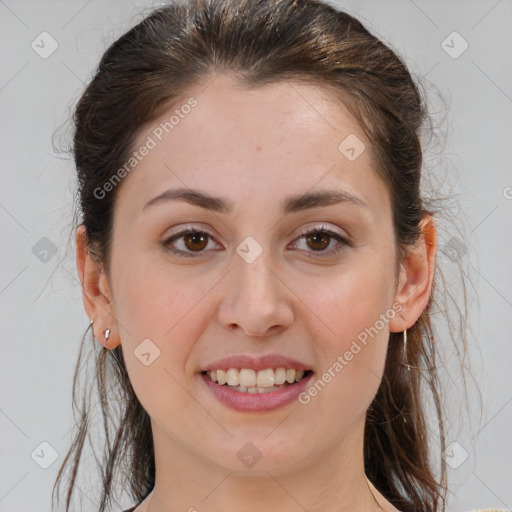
256 455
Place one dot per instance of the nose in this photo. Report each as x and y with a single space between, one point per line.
257 299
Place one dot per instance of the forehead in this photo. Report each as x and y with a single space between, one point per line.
279 139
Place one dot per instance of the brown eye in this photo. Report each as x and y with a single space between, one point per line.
196 241
318 240
322 242
189 242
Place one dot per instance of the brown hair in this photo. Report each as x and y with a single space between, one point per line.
261 42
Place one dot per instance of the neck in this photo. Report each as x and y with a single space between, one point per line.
334 481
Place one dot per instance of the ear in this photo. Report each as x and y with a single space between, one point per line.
96 292
416 277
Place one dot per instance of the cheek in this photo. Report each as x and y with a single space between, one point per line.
351 357
152 300
347 304
354 309
160 314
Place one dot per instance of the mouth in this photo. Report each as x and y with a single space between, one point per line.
247 380
256 391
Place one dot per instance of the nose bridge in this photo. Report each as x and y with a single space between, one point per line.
256 276
256 300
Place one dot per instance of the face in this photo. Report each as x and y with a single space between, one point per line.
251 281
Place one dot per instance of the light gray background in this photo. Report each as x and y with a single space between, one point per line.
41 306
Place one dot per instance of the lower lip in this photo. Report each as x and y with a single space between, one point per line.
256 402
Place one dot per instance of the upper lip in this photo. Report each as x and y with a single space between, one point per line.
257 363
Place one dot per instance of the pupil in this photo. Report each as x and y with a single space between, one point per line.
195 237
315 239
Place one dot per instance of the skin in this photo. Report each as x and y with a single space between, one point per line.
255 148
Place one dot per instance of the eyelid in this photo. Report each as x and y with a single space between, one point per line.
322 226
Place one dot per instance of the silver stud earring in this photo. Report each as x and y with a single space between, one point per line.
107 334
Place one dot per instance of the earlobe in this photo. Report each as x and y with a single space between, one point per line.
416 277
95 291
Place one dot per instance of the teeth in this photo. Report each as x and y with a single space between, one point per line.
256 390
279 376
221 377
247 377
250 381
265 378
233 377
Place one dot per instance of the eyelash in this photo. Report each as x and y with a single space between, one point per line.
315 254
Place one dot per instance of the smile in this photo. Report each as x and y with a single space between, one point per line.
251 381
246 390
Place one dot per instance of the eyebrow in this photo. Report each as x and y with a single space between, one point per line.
292 204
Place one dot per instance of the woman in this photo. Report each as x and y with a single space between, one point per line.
259 264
